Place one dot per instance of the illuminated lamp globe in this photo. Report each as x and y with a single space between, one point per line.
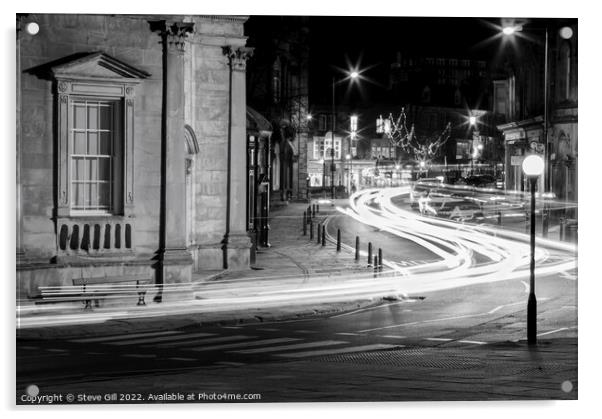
422 164
508 30
354 74
533 165
566 33
32 28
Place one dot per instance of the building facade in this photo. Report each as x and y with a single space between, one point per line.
131 147
277 87
541 117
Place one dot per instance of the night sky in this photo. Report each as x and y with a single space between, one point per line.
372 43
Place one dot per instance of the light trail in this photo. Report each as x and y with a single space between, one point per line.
506 254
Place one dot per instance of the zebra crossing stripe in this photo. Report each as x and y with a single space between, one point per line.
291 347
362 348
244 344
125 336
160 339
205 341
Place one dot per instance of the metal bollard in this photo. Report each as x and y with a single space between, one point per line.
370 254
357 248
313 210
323 235
375 265
318 208
561 229
338 240
380 259
304 223
545 215
499 218
311 230
319 233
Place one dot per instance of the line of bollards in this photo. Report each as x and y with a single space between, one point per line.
305 222
375 261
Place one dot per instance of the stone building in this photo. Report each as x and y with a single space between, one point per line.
541 119
131 147
277 87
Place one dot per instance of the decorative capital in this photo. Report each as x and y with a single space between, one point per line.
173 33
237 57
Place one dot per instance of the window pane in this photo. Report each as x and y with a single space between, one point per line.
78 191
93 196
105 143
79 116
92 117
79 143
93 165
92 143
104 195
79 173
104 169
105 117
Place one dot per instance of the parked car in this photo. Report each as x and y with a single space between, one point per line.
480 180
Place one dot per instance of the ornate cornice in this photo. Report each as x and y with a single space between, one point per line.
237 56
173 33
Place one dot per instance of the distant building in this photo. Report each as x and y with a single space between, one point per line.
519 98
277 87
131 148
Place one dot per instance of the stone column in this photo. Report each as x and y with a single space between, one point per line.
176 261
236 241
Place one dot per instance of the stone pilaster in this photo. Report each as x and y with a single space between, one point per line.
236 240
176 259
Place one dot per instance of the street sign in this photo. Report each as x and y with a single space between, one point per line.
516 160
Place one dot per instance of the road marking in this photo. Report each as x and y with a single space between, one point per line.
367 309
439 339
348 334
567 275
473 342
526 286
363 348
175 358
498 308
160 339
140 355
291 347
466 316
553 331
232 364
121 337
243 344
231 327
205 341
392 336
56 350
30 348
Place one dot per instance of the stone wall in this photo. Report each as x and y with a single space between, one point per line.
126 38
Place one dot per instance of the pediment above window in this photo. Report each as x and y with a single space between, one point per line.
98 66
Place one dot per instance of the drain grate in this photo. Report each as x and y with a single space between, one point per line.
405 358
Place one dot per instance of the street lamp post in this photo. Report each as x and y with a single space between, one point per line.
353 75
323 162
350 174
533 167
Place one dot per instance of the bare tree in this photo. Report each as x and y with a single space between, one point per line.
422 149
